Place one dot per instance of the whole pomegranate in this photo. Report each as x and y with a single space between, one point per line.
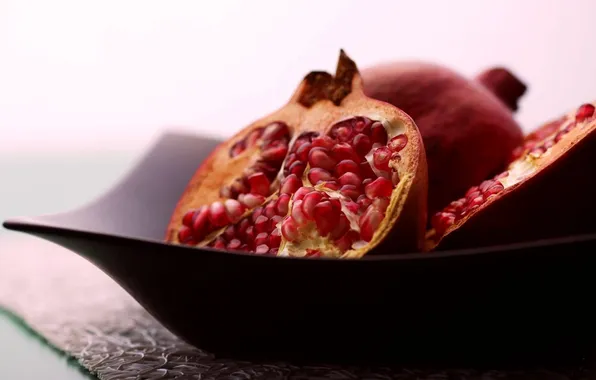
467 125
538 196
332 173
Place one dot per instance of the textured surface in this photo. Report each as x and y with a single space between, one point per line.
84 313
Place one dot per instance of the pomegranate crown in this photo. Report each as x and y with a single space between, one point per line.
320 85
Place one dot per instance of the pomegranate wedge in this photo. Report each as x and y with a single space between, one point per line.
540 195
332 173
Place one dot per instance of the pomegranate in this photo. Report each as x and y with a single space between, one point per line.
467 125
332 173
538 196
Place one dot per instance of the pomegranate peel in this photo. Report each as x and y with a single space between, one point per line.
287 184
467 125
537 197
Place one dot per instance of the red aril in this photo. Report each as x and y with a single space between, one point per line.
292 182
538 196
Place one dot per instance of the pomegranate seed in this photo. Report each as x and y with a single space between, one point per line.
342 132
584 112
485 185
559 136
219 243
200 224
502 175
381 157
362 125
303 152
366 171
252 138
350 191
275 131
326 217
263 167
381 203
496 188
188 218
476 202
242 227
262 249
369 222
352 206
330 185
298 214
229 233
290 160
275 154
259 184
346 166
345 242
184 234
262 224
344 151
297 168
317 174
302 192
290 184
282 204
217 214
234 244
441 221
275 238
471 190
378 133
237 148
362 144
319 158
363 201
456 207
323 142
234 209
473 195
366 181
262 238
380 187
270 210
310 201
273 251
251 200
397 143
341 228
350 178
289 229
250 234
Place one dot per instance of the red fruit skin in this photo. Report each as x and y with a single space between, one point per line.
468 132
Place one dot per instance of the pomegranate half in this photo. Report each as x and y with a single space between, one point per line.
467 125
540 195
332 173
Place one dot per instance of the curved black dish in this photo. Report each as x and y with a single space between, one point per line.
514 304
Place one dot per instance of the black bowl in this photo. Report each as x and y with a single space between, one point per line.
510 304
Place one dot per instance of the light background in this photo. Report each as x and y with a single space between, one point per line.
112 73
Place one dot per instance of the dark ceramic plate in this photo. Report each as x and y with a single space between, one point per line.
523 302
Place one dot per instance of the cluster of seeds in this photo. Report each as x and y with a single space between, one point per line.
333 191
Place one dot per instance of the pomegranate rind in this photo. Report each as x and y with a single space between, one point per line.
468 131
319 102
542 197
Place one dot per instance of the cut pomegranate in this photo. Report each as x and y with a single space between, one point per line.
538 196
466 125
309 180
